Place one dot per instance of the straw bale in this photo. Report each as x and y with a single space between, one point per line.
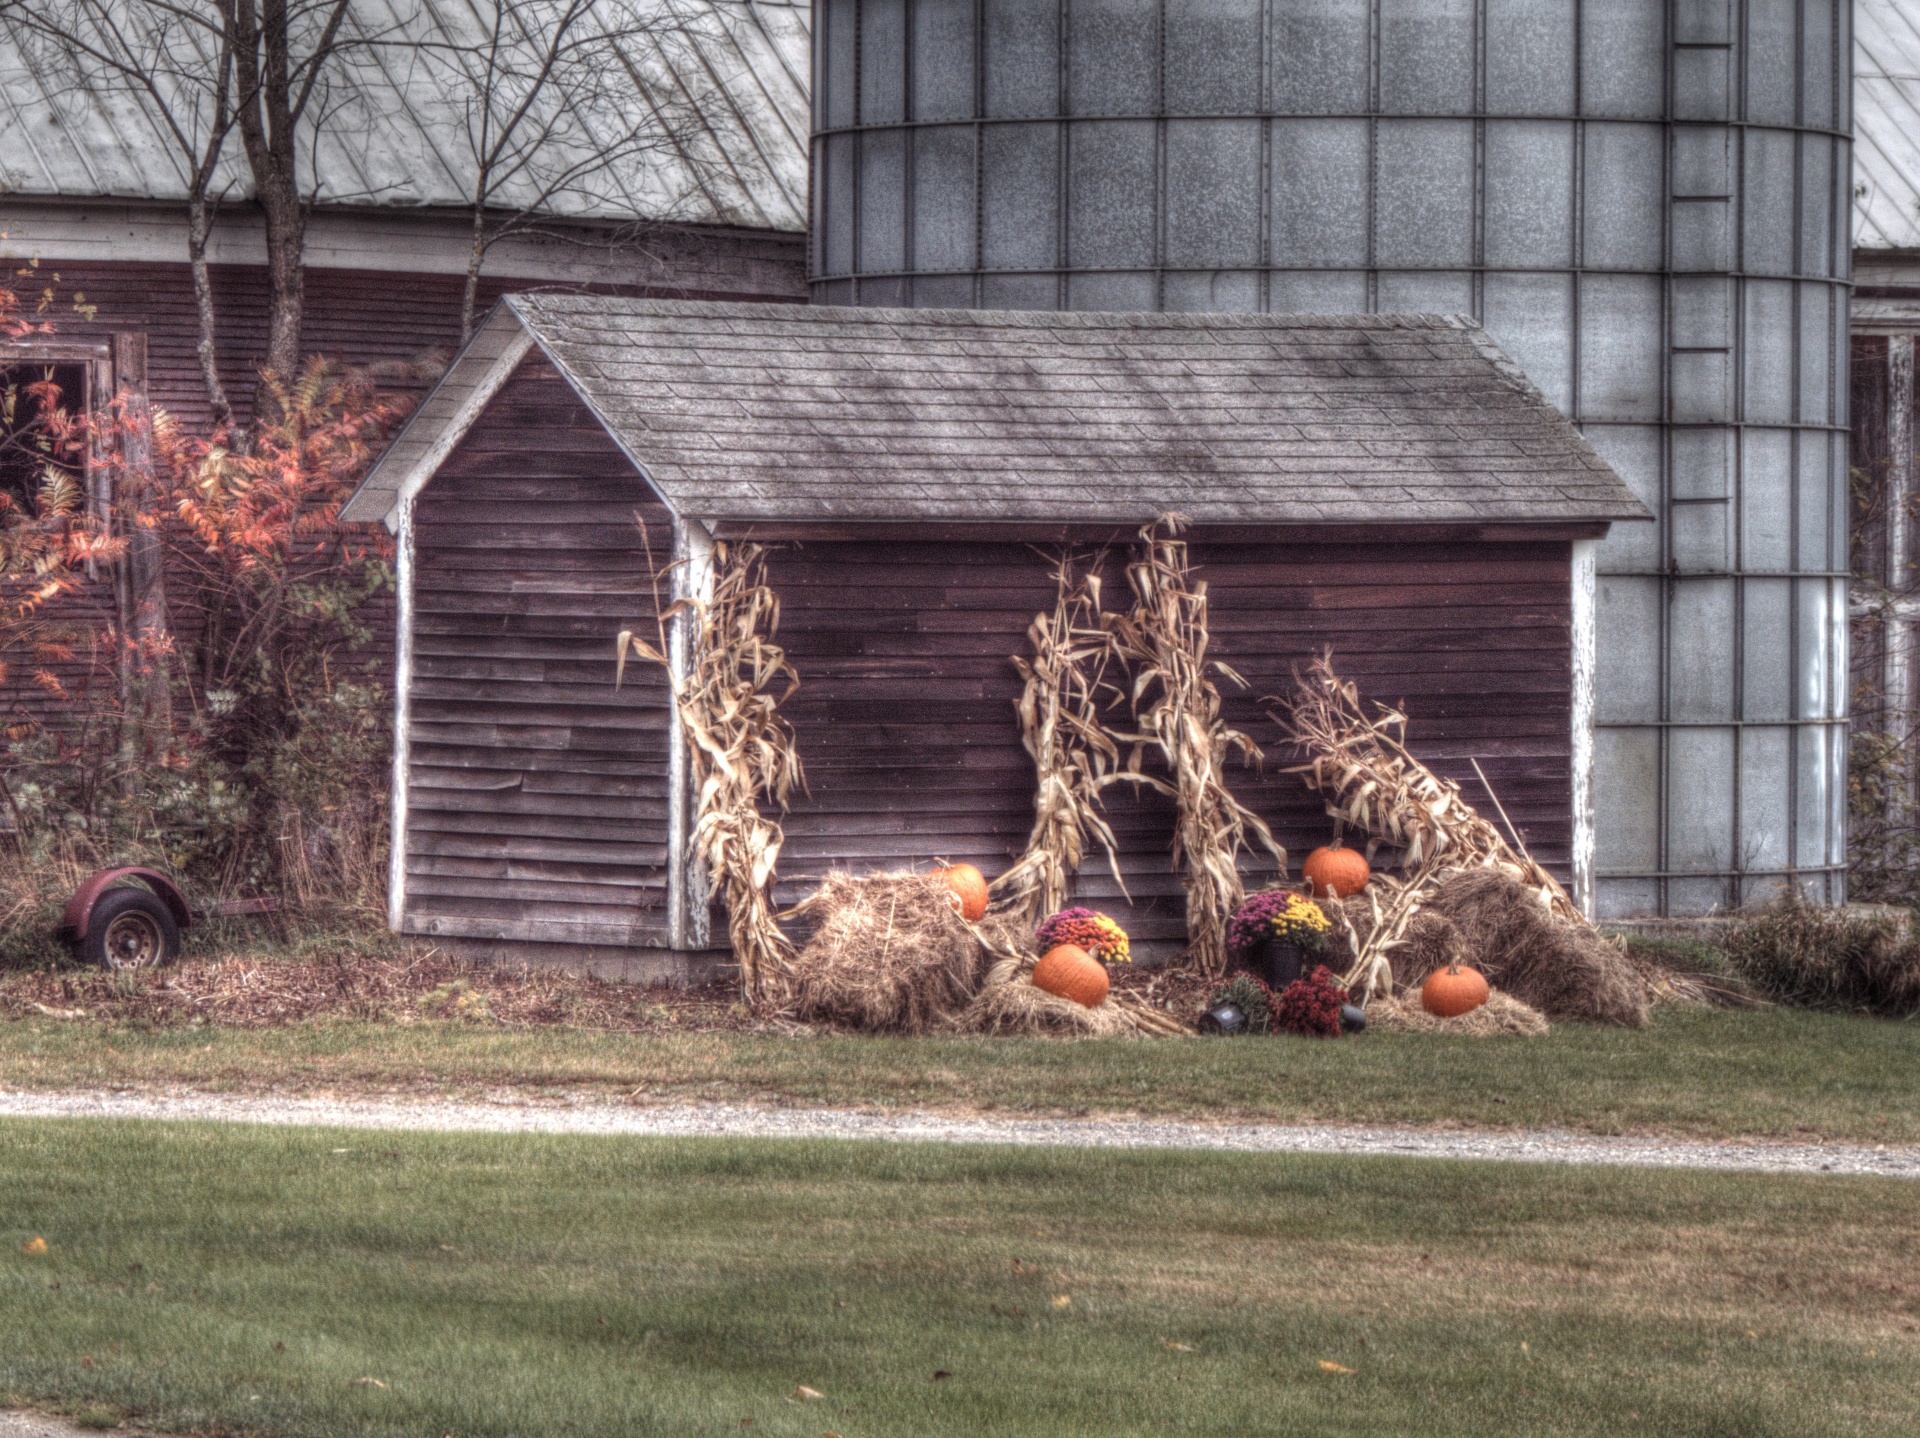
1483 917
1568 971
888 953
1502 1013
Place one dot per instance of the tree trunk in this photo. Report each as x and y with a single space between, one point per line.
146 638
199 227
475 258
267 123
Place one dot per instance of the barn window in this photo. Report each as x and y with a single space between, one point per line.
32 393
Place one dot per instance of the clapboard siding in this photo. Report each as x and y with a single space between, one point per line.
538 793
537 799
906 722
383 317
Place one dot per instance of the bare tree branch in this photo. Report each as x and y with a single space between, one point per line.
558 113
176 62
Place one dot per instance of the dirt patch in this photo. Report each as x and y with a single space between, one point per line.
429 985
425 984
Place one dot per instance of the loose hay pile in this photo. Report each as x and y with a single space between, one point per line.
1567 971
889 954
1502 1013
1008 1003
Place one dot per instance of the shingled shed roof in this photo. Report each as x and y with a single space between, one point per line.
787 414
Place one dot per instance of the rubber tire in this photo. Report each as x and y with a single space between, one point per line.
126 900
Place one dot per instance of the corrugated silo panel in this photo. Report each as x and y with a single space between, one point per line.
1645 202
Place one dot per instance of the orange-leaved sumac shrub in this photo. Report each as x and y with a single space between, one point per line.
212 634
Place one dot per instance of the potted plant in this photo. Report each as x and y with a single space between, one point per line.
1086 929
1274 931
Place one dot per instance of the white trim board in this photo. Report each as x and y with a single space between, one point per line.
411 242
1586 651
402 716
442 420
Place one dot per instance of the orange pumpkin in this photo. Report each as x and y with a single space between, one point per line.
1453 991
966 891
1337 872
1072 973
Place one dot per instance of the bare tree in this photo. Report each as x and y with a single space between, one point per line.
281 49
175 61
199 70
568 105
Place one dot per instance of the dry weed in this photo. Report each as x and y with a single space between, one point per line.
1074 757
1163 640
742 750
1373 783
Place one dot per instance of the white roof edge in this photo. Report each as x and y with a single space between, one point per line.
442 419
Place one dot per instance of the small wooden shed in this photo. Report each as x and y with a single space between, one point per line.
1389 486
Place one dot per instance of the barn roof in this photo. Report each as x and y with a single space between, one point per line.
713 94
1886 119
784 413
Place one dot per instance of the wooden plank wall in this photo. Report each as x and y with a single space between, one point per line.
537 792
360 316
906 724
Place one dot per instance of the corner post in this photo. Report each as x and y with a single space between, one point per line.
1586 649
403 563
687 891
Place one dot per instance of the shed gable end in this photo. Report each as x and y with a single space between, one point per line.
536 793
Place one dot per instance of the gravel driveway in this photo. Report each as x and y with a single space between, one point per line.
515 1115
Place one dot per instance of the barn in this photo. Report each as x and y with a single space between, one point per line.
709 202
1391 487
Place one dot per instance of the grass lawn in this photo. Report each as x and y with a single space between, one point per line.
1768 1072
242 1279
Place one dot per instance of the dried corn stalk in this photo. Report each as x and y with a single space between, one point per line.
1073 755
1176 707
741 750
1371 972
1372 782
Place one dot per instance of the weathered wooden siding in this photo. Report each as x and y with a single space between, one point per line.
906 722
537 792
360 316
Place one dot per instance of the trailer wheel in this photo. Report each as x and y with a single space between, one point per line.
131 929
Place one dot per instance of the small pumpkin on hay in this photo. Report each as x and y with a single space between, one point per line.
1454 990
1075 946
966 890
1070 972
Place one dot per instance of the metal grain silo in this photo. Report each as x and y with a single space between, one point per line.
1645 201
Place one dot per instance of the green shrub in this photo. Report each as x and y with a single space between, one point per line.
1798 953
1254 998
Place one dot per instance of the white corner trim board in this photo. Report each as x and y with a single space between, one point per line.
687 926
1585 657
402 713
401 522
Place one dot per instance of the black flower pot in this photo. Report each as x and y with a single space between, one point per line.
1278 962
1353 1018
